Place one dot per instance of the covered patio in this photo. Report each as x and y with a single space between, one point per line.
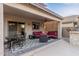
26 19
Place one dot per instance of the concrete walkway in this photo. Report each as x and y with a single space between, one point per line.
58 48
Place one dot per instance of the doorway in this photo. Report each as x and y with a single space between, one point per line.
16 28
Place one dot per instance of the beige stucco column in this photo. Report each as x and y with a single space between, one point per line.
1 31
60 30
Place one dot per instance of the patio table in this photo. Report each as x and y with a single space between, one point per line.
43 38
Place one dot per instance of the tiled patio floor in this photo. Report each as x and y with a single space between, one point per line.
30 45
59 48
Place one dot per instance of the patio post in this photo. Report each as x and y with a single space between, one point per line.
1 31
59 30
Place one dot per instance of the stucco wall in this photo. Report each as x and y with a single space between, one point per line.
70 19
18 18
68 25
74 38
68 22
51 26
34 10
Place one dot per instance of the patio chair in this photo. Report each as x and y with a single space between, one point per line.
37 34
10 42
52 34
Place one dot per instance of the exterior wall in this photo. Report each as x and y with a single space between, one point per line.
66 30
74 38
1 31
54 26
68 23
37 11
51 26
70 19
17 18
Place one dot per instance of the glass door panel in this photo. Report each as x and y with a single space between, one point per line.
16 28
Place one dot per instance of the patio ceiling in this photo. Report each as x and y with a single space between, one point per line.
27 15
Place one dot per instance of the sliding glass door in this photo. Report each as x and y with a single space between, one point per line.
16 28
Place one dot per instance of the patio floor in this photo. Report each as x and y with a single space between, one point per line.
29 45
58 48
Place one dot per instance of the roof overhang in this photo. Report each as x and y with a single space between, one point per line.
49 11
29 11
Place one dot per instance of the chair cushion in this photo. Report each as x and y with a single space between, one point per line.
52 34
37 34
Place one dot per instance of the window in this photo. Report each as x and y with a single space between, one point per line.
35 25
16 28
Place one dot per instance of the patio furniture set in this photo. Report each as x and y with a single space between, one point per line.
50 34
44 37
20 40
14 41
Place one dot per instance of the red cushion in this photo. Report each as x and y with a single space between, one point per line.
37 34
52 34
